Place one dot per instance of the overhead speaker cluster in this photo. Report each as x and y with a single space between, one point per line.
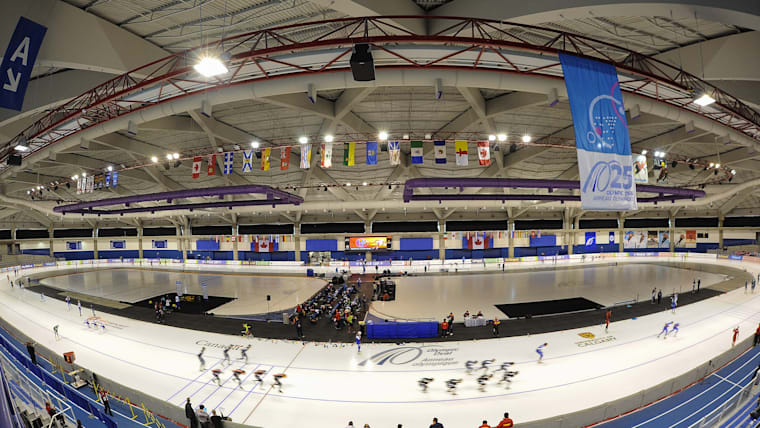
362 64
14 160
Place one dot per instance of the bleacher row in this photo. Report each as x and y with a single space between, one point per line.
84 402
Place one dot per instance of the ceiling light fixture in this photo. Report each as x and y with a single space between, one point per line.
329 138
154 159
717 165
427 136
382 136
255 144
502 137
733 172
704 100
109 168
75 177
210 66
168 156
21 147
175 155
303 140
526 138
643 152
491 137
405 137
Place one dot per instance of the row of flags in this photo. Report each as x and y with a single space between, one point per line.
349 156
248 238
90 183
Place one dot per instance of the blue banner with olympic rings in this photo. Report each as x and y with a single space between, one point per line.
601 135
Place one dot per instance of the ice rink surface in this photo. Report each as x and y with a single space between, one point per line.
250 291
327 385
435 296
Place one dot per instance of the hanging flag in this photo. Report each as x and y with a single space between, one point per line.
601 135
326 155
284 158
266 156
228 159
108 179
211 165
394 152
371 152
484 153
461 149
440 151
114 178
197 166
79 186
248 161
417 152
90 183
305 156
349 154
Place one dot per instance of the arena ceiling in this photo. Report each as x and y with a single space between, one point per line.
708 42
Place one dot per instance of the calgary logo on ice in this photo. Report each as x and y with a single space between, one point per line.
430 356
586 335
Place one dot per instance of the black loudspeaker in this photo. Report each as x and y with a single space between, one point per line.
269 297
15 160
362 64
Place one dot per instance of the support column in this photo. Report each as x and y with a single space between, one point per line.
367 229
672 231
297 240
235 242
180 246
567 224
510 238
139 240
50 238
621 233
720 232
95 242
442 240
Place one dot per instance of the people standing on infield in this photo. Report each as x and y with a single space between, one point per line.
654 295
659 296
359 341
496 323
607 318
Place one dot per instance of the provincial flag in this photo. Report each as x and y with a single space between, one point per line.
266 155
349 154
461 150
114 178
228 159
108 179
484 153
305 156
417 152
197 166
326 155
371 152
248 161
90 183
211 165
440 151
284 158
79 186
394 152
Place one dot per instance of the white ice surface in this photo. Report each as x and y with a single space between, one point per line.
327 386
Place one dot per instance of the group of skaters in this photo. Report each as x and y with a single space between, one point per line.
483 372
338 301
160 308
237 373
657 297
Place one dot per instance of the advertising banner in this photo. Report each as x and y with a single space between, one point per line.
663 240
652 239
691 239
601 134
635 239
590 242
368 243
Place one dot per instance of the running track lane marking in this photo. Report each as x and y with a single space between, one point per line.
255 385
700 394
726 380
219 405
272 386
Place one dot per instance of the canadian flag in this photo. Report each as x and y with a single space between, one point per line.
479 241
197 166
484 153
265 244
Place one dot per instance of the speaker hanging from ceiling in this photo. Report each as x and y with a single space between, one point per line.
362 64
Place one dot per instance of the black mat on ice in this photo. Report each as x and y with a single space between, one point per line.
547 307
189 303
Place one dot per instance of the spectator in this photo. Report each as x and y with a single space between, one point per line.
106 403
190 414
506 422
485 425
350 424
216 420
79 424
51 411
444 327
436 424
202 416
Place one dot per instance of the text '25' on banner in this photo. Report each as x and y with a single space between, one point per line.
601 135
18 62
